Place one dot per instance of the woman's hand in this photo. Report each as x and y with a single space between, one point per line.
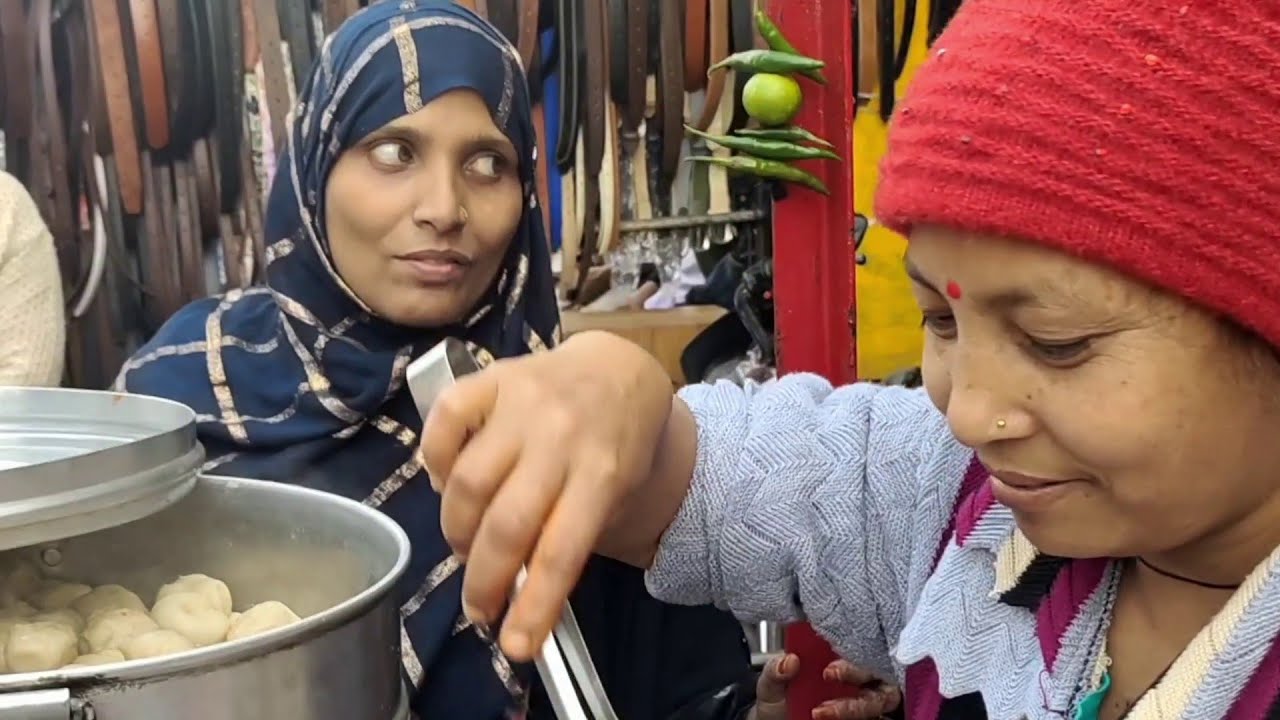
871 698
533 457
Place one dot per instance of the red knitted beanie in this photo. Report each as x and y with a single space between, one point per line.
1143 134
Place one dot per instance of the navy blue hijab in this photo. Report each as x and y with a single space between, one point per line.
299 382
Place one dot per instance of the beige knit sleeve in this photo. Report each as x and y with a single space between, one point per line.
32 321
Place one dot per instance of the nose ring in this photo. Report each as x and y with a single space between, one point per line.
1001 424
463 215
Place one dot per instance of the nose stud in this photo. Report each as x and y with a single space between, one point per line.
1001 424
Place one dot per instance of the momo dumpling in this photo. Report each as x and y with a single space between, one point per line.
156 643
66 616
56 595
107 597
191 615
261 618
39 646
100 658
109 630
213 590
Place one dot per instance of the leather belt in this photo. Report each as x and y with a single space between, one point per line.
174 47
569 141
50 163
15 111
151 76
619 73
527 37
127 121
226 40
295 27
695 45
595 128
637 26
670 87
274 70
333 13
568 36
742 37
718 42
115 81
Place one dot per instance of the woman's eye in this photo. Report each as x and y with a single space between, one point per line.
392 155
488 165
1058 352
942 324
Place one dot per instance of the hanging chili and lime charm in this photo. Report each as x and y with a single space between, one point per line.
765 148
768 61
771 169
776 41
772 98
792 133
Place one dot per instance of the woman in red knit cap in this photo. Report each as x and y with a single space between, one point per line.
1079 516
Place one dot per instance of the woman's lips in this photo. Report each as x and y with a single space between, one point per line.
435 271
1027 493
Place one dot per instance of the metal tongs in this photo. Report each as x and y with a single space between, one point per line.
565 662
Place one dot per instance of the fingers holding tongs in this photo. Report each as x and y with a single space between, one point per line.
565 665
568 673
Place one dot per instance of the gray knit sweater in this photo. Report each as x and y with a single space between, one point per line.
830 506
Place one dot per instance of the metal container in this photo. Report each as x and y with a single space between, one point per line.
332 560
75 461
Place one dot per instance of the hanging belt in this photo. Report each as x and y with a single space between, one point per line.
18 103
695 45
115 83
670 92
742 37
295 27
569 142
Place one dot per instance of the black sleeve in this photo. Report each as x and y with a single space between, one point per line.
658 661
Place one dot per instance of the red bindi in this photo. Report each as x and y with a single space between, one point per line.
953 290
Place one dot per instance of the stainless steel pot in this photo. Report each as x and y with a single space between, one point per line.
332 560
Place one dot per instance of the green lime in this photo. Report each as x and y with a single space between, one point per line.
772 100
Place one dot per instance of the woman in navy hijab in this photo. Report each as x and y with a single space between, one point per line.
404 211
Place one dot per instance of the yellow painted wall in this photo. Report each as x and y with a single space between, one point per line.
889 336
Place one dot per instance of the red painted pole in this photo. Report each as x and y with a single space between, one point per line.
814 262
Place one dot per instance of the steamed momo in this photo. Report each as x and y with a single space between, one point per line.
105 657
39 646
261 618
191 615
213 590
49 623
109 630
70 618
155 644
107 597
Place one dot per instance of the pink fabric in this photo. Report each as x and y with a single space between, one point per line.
1259 695
921 696
1075 583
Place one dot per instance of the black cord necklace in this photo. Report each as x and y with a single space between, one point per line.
1191 581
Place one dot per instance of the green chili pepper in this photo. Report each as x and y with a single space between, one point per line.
764 168
769 149
777 41
793 133
768 61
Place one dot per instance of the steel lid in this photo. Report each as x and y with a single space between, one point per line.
76 461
